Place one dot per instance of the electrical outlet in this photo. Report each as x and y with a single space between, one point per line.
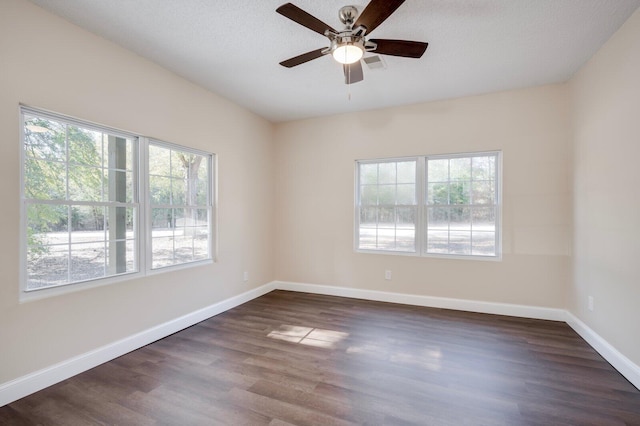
387 275
590 303
245 276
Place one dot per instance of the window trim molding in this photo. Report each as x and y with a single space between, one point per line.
420 228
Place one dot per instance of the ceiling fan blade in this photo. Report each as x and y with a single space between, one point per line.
353 72
404 48
303 18
301 59
376 12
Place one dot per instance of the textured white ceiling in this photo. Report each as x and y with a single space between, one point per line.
233 47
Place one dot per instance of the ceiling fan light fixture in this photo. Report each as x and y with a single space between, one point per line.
348 53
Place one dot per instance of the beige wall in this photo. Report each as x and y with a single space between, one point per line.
315 196
606 139
48 63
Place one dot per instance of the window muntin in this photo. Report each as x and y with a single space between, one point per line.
80 201
387 205
180 200
86 204
449 207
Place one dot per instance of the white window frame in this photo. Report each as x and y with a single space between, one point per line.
211 197
421 193
419 189
142 223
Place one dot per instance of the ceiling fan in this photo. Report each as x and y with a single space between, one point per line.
349 45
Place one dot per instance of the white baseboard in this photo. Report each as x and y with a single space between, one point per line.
624 365
525 311
38 380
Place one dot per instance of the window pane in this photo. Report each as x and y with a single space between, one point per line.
87 224
44 221
47 265
120 222
45 139
183 247
484 168
162 252
386 217
406 217
483 192
437 241
118 153
438 218
406 172
367 237
438 193
484 219
387 173
124 259
87 261
118 186
369 195
368 216
85 147
162 219
191 166
459 242
387 194
406 194
179 191
386 239
406 228
201 244
180 163
484 243
159 161
438 170
368 174
460 169
85 183
160 189
202 185
460 218
459 192
45 180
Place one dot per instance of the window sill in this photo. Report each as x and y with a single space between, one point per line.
497 258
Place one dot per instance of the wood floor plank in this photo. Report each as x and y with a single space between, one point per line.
301 359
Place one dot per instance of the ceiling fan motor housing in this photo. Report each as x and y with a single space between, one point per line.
348 15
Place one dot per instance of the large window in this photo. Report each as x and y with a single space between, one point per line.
87 213
446 205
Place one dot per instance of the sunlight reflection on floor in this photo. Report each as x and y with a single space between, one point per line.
308 336
428 358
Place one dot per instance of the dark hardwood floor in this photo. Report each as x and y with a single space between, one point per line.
296 358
